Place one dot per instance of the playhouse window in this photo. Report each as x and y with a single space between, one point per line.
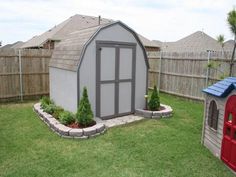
213 115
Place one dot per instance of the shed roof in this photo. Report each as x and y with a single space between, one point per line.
222 88
69 52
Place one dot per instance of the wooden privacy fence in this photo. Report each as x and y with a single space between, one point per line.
24 73
186 74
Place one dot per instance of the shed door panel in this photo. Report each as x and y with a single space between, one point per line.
108 63
125 71
125 97
107 99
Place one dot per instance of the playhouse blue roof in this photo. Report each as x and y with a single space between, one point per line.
221 88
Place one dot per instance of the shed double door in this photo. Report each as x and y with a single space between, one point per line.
115 79
228 149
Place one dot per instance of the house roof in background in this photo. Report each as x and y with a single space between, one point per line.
222 88
147 43
196 42
229 45
74 23
158 43
15 45
68 53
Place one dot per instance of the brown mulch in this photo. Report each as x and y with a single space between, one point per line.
77 125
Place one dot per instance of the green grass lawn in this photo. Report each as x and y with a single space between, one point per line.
149 148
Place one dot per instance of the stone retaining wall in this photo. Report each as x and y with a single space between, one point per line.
166 112
68 132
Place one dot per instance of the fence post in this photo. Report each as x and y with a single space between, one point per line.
208 69
20 72
159 76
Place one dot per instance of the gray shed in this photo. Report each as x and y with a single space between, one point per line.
110 61
219 128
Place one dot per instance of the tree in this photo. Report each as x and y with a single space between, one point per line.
84 114
231 19
221 39
154 102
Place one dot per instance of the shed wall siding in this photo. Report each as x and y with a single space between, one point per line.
141 78
212 138
88 65
63 88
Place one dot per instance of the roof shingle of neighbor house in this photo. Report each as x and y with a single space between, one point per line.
196 42
15 45
229 45
74 23
146 42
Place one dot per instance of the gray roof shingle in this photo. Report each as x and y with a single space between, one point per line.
229 45
74 23
68 53
196 42
146 42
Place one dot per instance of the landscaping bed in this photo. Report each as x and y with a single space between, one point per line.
69 132
165 111
154 109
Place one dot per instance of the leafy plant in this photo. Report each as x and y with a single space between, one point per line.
45 101
50 108
84 114
58 110
66 117
154 102
231 19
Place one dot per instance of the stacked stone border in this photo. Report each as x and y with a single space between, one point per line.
67 132
166 112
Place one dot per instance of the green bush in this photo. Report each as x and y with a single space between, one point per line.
66 117
50 108
45 101
58 110
154 102
84 114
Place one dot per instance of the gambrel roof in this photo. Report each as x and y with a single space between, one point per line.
69 52
222 88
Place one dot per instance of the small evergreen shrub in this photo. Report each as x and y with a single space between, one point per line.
45 101
84 115
66 117
50 108
154 102
58 110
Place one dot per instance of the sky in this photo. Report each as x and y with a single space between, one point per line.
164 20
